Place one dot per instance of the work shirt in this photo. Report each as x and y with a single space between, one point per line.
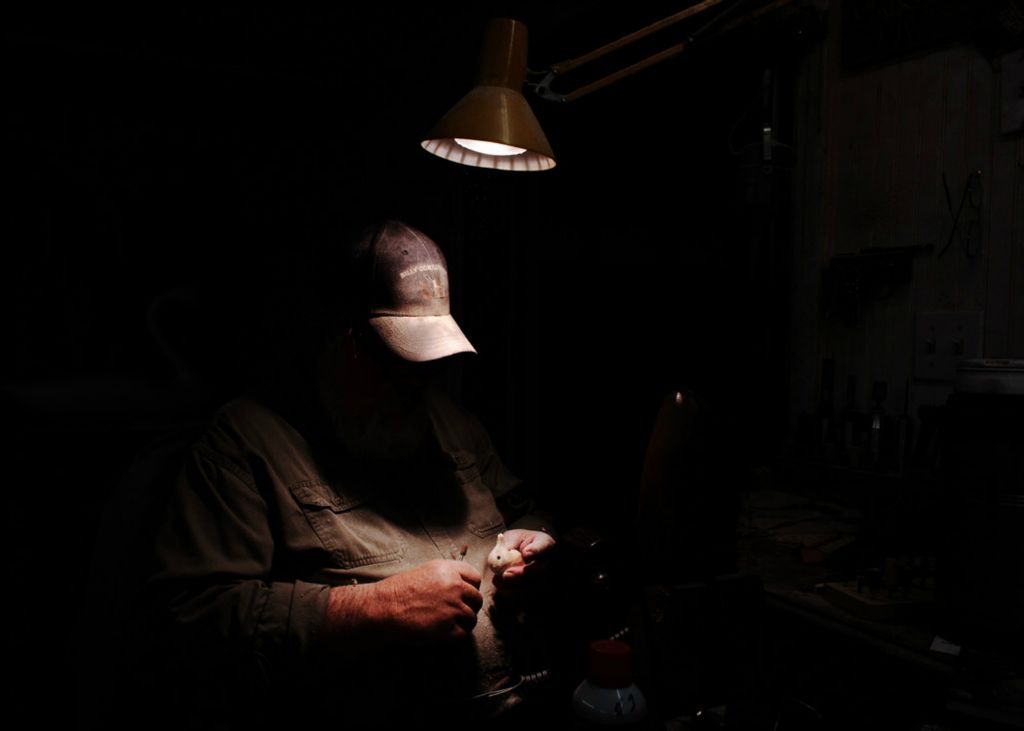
262 522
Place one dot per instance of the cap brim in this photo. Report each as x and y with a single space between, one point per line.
422 338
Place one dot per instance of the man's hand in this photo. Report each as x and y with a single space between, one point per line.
531 544
435 601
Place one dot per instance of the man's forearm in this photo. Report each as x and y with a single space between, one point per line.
352 619
435 601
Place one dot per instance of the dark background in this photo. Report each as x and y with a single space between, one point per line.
175 179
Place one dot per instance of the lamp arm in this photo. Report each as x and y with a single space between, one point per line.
567 66
543 87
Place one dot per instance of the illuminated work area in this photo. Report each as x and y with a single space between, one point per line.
517 365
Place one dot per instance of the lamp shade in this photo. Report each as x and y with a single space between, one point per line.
493 125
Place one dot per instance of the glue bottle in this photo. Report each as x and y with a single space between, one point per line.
608 696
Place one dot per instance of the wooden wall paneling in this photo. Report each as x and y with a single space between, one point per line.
873 185
888 156
891 154
1016 258
998 240
808 212
933 272
909 99
837 134
955 166
971 281
885 340
857 135
908 173
854 226
933 216
936 277
831 136
917 183
887 136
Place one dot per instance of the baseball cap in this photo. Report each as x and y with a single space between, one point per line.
407 294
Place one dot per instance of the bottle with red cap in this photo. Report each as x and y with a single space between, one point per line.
608 696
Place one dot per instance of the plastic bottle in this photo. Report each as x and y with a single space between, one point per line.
608 696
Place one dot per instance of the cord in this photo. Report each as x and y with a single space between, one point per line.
537 677
524 679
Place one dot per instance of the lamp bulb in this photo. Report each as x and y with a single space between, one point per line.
490 148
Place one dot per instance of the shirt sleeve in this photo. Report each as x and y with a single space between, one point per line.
212 594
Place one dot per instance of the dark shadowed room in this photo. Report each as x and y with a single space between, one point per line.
481 365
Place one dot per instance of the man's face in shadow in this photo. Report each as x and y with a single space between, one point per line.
375 399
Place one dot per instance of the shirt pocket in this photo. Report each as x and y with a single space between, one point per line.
349 527
484 518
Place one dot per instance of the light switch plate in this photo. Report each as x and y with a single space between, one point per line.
943 339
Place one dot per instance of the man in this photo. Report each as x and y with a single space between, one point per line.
325 558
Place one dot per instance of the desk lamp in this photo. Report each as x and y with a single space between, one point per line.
493 125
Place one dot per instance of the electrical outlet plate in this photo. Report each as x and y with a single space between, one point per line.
943 339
